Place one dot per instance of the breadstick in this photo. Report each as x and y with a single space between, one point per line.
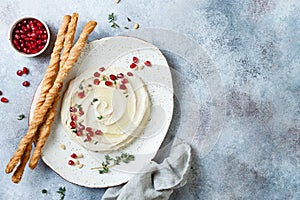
69 39
17 176
47 81
44 132
51 95
53 67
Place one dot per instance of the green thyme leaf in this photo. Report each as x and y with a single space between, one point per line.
126 27
61 191
20 117
100 117
44 191
115 25
128 19
78 106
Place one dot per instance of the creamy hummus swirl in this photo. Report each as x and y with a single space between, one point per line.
105 109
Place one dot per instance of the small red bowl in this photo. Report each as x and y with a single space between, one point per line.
29 36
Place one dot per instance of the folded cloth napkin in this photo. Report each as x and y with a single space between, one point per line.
156 181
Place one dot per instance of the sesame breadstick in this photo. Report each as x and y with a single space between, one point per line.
17 176
48 80
38 117
44 132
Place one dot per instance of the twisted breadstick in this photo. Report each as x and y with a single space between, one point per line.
38 118
47 82
44 132
17 176
53 67
69 39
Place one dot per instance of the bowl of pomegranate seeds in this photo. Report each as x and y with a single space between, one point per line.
29 36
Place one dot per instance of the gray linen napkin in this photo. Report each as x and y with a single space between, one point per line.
156 181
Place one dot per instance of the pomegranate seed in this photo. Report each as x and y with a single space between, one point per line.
73 109
147 63
98 132
79 133
108 83
81 127
96 74
73 124
71 162
25 70
124 80
39 24
15 42
112 77
123 87
26 84
74 118
80 95
19 72
73 155
81 112
129 74
91 133
88 138
4 100
88 129
1 92
135 59
101 69
132 66
120 75
96 81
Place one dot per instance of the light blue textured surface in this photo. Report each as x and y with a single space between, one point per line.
236 71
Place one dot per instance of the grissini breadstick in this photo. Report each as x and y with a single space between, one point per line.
53 67
38 118
44 132
17 176
69 39
48 79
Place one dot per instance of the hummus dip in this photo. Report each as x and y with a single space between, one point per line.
105 109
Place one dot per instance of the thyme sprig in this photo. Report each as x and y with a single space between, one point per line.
110 162
112 19
61 191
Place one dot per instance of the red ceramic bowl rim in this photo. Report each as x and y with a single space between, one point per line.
12 27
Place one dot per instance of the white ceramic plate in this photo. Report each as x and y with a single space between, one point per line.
115 51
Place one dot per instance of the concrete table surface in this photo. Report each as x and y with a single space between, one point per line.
236 71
